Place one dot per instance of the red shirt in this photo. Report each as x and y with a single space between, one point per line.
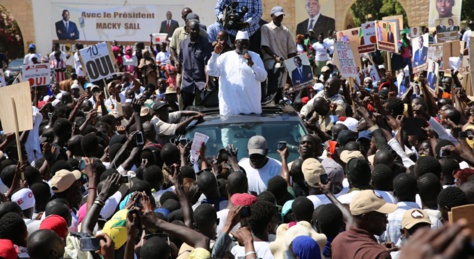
357 243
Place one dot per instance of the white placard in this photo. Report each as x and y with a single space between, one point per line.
37 75
345 57
198 140
97 61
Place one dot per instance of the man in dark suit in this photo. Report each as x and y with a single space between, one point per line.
451 26
169 25
440 27
420 54
431 80
302 73
316 21
65 29
390 37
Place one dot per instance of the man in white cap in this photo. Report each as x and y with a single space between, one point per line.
258 166
240 73
26 200
278 44
369 211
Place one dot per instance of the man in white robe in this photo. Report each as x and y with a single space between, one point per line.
240 73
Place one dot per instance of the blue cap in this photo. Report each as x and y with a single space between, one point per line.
365 134
286 208
31 46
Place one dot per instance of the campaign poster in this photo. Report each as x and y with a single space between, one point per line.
443 9
317 15
447 29
345 58
300 71
419 46
98 61
432 77
415 32
399 19
387 35
367 38
37 74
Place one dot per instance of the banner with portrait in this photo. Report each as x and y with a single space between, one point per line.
443 9
387 35
100 22
420 52
306 12
415 32
300 71
432 77
399 19
367 38
447 29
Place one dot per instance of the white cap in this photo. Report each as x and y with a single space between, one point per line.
24 198
318 87
242 35
350 123
381 67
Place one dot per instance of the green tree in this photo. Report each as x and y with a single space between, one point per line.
467 11
378 9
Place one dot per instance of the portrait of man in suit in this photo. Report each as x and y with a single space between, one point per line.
316 21
440 27
342 37
169 25
390 37
431 80
420 54
451 26
302 73
65 29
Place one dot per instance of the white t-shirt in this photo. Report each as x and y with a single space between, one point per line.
28 60
261 248
330 43
466 36
163 58
77 65
32 225
258 178
347 198
321 51
321 199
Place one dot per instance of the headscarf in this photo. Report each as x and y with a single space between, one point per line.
126 52
304 247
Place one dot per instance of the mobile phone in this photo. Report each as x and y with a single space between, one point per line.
467 134
90 244
323 178
124 179
183 141
245 212
139 138
50 114
82 165
444 153
281 145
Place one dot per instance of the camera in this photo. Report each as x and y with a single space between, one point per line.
232 18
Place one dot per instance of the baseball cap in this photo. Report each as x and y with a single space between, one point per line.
312 170
333 169
55 223
286 208
192 16
243 199
93 87
170 90
324 69
7 250
346 136
63 179
24 198
277 11
368 201
116 228
144 111
158 105
413 217
257 145
318 87
305 100
350 123
32 46
347 155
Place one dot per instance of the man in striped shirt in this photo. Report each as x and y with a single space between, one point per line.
58 66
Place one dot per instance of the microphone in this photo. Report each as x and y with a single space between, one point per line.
244 51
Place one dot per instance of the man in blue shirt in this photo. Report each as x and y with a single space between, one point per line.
194 53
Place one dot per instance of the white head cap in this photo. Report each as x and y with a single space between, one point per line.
242 35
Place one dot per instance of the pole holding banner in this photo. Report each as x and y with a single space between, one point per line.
17 136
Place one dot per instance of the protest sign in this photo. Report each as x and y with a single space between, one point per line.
443 9
16 113
98 61
471 60
399 19
415 32
465 65
367 38
420 52
345 58
158 38
348 35
37 75
387 35
432 78
447 29
450 49
435 53
300 71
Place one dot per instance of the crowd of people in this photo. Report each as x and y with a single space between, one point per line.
104 176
